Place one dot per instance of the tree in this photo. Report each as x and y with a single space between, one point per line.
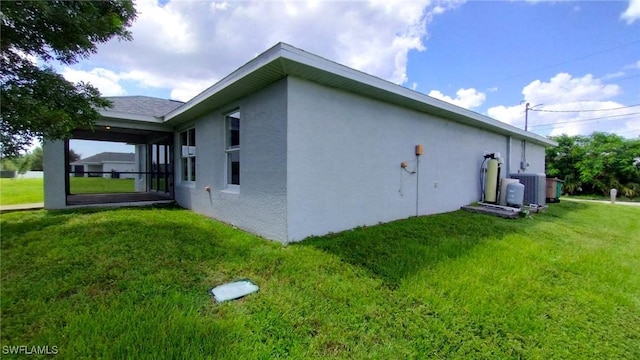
23 163
7 165
35 101
74 156
35 159
596 163
610 161
561 161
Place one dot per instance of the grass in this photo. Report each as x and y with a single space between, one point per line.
134 283
21 191
100 185
602 197
27 191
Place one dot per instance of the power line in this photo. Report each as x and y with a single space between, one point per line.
624 78
578 111
565 125
581 120
572 60
586 132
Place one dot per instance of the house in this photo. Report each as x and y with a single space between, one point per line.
106 164
292 145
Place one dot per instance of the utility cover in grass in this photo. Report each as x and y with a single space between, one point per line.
233 290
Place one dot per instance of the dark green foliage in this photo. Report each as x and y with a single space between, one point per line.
8 164
596 163
32 161
36 102
74 156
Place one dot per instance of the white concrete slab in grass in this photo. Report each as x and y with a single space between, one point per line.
233 290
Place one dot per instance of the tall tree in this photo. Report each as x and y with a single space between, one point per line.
596 163
36 159
561 161
35 101
74 156
610 161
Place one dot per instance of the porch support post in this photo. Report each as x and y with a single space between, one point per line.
55 170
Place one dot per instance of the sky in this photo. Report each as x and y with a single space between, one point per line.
572 61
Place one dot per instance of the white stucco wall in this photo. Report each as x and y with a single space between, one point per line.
125 168
534 154
344 153
260 205
54 175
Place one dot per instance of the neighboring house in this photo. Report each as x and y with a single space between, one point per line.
292 145
106 164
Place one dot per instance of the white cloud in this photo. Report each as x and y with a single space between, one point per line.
510 115
105 80
182 88
184 44
584 123
631 129
186 89
32 59
632 13
466 98
635 65
614 75
563 88
164 26
563 97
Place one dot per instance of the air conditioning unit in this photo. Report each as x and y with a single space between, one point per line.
534 187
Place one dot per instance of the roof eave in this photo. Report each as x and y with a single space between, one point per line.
231 81
129 116
134 121
285 60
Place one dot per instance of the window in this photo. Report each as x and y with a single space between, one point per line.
233 149
188 154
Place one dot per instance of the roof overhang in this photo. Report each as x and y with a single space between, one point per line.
85 163
284 60
132 121
118 162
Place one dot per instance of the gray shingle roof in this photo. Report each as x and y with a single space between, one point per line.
143 105
107 156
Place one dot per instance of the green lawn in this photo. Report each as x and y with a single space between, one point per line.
601 197
21 191
100 185
26 191
131 283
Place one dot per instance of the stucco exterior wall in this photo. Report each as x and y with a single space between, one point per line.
534 154
124 168
54 175
344 154
260 205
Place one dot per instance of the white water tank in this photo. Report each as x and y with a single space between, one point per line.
502 198
515 195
